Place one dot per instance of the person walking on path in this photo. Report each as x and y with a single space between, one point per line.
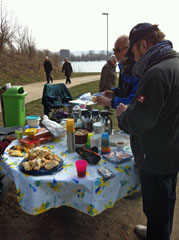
108 75
67 68
152 119
48 68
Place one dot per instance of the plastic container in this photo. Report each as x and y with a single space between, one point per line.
29 143
81 135
98 127
14 106
33 121
41 132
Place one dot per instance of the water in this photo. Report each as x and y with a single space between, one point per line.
92 66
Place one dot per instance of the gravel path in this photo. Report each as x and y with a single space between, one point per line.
35 90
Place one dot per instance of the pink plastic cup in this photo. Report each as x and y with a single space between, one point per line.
81 166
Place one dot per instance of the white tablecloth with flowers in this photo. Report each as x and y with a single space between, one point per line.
90 195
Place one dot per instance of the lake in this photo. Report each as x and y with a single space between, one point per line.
92 66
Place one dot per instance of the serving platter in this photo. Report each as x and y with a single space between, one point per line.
42 170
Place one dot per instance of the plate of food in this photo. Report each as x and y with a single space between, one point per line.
16 151
41 161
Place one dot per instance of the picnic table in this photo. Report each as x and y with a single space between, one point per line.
90 195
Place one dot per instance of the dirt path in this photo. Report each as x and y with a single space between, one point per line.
35 90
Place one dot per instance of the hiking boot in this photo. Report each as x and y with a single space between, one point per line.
141 231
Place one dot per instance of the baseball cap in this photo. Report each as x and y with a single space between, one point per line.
139 31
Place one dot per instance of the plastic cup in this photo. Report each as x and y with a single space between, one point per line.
120 146
105 146
81 166
94 141
19 134
70 125
88 140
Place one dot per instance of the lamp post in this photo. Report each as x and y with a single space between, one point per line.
107 33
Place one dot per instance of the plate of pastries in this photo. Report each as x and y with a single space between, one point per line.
41 161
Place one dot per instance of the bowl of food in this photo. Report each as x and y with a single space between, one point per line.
81 135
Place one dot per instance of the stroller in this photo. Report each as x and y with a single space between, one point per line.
55 100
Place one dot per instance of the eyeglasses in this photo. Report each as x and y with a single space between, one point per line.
119 50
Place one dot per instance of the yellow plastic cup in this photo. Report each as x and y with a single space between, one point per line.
70 125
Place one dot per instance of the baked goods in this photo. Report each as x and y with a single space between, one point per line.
81 132
15 153
39 157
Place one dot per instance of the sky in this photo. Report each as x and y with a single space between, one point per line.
78 25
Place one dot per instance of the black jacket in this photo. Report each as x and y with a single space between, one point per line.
153 119
67 68
47 66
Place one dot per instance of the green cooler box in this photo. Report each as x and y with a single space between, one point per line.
14 106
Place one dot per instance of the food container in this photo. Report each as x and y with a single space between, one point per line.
29 143
41 132
30 131
33 121
98 128
81 135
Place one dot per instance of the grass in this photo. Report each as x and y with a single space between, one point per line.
36 107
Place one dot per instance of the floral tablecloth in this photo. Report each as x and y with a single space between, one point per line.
90 195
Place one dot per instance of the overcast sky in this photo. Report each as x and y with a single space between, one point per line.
78 25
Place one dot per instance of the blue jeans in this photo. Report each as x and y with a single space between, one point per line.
159 195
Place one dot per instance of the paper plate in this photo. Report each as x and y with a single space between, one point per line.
42 171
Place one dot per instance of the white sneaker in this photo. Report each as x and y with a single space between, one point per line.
141 231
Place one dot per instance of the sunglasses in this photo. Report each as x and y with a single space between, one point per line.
119 50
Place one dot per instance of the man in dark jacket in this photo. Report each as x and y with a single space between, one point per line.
152 119
128 83
48 68
67 68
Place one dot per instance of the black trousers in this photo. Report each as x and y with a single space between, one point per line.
159 195
49 78
68 79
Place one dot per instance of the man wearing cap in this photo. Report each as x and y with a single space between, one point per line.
128 83
152 119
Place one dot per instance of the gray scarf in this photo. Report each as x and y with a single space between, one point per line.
157 53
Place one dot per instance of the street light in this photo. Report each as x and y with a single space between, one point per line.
107 33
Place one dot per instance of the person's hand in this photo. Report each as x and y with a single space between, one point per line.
101 100
108 94
120 109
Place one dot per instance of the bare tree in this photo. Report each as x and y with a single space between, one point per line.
31 46
7 29
25 42
21 39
